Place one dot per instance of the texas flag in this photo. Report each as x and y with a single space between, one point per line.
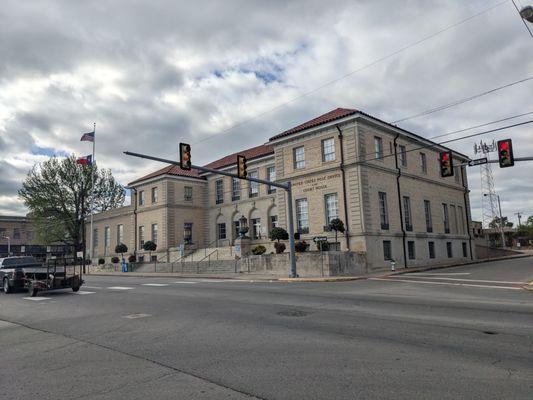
87 137
87 160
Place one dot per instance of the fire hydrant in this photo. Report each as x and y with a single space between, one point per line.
392 265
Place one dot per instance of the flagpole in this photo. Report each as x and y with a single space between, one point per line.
92 191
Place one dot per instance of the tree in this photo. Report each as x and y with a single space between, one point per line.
495 223
121 248
529 221
150 246
336 225
278 234
57 193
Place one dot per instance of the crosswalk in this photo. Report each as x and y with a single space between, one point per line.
110 289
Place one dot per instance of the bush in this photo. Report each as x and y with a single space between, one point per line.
132 258
121 249
101 261
258 250
280 247
115 260
278 234
322 246
300 247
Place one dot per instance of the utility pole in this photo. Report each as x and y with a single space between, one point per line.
519 218
286 187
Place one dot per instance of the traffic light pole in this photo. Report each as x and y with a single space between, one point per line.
286 187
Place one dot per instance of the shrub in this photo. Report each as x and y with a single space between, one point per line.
121 249
300 247
132 258
322 246
101 261
115 260
150 246
258 250
280 247
278 234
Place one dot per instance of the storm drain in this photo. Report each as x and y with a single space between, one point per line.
294 313
490 333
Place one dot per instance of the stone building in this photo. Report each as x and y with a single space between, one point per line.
382 181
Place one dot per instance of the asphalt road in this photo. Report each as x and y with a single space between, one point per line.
458 333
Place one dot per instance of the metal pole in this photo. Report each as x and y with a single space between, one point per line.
8 246
91 250
501 220
291 232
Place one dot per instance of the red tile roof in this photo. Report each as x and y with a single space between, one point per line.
169 170
250 154
327 117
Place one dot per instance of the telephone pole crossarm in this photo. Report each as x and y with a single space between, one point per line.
286 187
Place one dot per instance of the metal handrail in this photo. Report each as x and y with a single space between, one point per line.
207 256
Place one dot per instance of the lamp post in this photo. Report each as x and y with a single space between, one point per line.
501 218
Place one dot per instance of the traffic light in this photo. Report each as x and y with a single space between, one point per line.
241 167
446 164
185 156
505 153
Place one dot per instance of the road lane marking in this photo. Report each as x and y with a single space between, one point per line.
467 280
184 282
154 284
119 288
441 273
82 292
37 298
136 316
92 287
445 283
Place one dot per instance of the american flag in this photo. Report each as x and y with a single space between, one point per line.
87 137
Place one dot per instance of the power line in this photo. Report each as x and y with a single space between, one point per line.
331 82
461 101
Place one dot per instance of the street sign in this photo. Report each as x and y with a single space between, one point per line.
478 161
79 254
320 239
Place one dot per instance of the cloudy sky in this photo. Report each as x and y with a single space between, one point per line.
228 75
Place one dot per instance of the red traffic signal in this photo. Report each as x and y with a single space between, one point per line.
185 156
446 163
505 153
241 167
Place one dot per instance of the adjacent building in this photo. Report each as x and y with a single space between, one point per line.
382 181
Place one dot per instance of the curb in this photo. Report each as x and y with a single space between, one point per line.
328 279
172 275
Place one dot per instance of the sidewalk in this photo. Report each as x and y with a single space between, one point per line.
280 278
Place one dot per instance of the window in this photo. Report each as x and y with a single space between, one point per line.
187 233
219 191
235 189
2 233
328 150
154 233
411 249
453 228
120 234
427 212
271 176
383 210
403 156
187 193
141 236
387 250
221 231
273 221
95 238
461 225
465 253
299 157
449 249
16 233
256 228
302 220
407 213
378 147
155 195
423 163
29 235
236 228
254 186
431 248
107 239
332 207
446 218
141 198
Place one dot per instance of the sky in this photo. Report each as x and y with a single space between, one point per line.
225 76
